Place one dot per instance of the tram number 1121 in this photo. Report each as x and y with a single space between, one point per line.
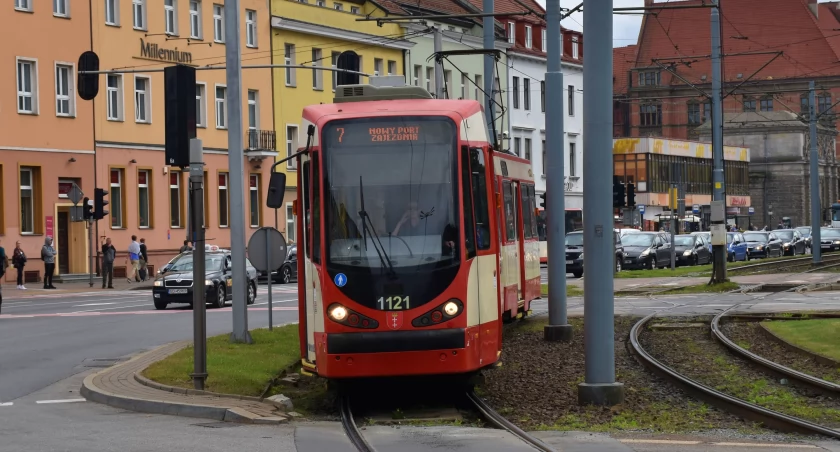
393 303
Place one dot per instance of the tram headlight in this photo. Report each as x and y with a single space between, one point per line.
450 309
338 313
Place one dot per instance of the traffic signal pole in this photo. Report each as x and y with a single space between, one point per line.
718 188
558 328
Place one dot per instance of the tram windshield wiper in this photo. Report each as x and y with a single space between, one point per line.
380 250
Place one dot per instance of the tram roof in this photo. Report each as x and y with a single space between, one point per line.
395 107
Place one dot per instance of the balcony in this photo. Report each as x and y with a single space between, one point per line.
260 144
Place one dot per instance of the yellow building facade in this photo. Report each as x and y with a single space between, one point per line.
313 33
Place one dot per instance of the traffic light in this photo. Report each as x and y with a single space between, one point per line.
87 209
631 195
618 193
543 201
99 204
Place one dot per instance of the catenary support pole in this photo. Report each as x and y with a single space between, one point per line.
270 268
816 251
558 328
489 25
440 80
199 300
599 386
233 63
718 187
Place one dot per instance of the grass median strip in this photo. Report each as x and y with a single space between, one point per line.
242 369
819 335
571 290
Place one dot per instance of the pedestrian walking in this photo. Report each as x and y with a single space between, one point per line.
144 260
109 255
134 257
48 256
4 263
19 262
186 247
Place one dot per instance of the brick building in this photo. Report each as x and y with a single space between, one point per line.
770 56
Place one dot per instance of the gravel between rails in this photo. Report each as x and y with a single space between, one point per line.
694 354
749 335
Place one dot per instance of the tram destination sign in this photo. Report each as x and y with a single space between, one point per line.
389 131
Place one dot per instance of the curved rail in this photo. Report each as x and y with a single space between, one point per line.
812 381
792 262
350 428
499 421
726 402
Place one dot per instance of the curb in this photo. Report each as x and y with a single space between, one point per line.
220 413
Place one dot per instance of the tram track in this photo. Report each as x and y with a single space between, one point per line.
348 422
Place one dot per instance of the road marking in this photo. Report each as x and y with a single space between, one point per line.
658 441
94 304
7 404
61 401
147 312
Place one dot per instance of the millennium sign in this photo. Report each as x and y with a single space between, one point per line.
151 51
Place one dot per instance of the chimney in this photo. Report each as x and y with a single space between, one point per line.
814 7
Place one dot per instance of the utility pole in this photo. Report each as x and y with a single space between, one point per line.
815 175
558 328
599 386
196 215
489 27
718 188
233 70
440 80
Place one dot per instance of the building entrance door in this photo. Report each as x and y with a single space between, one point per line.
63 239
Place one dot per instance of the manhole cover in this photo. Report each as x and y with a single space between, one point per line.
216 424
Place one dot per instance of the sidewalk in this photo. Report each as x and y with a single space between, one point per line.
122 386
37 289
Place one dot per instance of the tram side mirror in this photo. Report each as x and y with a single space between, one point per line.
276 190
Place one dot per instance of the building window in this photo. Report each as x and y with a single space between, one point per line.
254 197
377 67
515 92
321 3
317 73
221 107
571 100
23 5
707 111
175 199
511 32
392 67
650 115
517 146
138 8
354 10
224 201
112 12
116 205
418 75
335 56
526 93
465 80
27 87
61 8
291 226
693 113
115 96
749 104
543 157
824 103
528 37
142 99
200 105
572 160
289 59
144 198
65 101
649 78
250 28
30 194
766 104
218 23
253 109
338 6
430 79
542 96
478 87
527 149
575 48
170 15
544 40
195 19
291 144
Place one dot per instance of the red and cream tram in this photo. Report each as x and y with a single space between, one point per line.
418 238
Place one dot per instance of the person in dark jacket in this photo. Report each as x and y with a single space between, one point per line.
4 263
19 261
109 254
186 247
48 256
144 260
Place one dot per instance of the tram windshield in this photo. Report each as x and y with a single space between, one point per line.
391 190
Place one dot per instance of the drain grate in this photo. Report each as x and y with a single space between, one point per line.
216 424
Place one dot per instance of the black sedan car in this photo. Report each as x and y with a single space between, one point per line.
286 272
646 250
763 244
691 250
574 252
829 239
175 283
792 241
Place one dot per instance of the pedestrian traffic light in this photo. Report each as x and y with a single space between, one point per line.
543 200
99 204
631 195
87 209
618 193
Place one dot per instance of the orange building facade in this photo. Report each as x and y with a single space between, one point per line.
116 142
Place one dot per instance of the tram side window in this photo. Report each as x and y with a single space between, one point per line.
510 211
532 209
469 224
316 209
526 206
307 209
481 208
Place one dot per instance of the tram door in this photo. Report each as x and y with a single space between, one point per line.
307 291
511 272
